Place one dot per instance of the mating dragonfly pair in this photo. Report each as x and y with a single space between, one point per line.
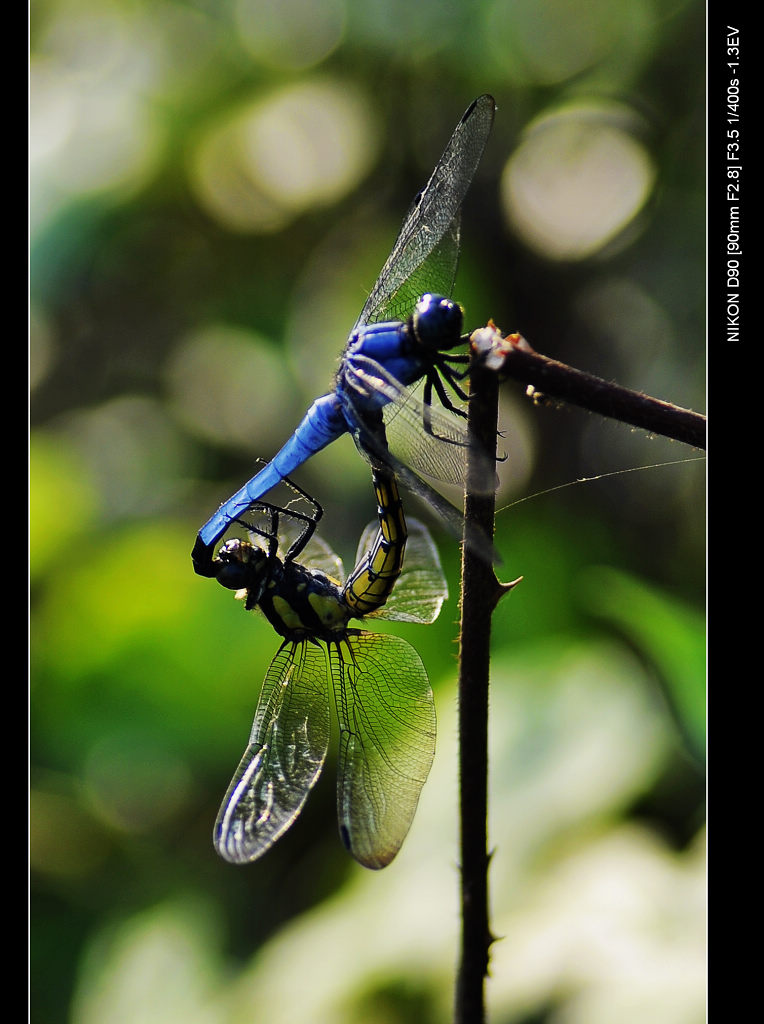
382 694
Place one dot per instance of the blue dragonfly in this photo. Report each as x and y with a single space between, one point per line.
403 335
382 695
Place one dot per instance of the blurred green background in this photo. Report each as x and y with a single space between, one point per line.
214 188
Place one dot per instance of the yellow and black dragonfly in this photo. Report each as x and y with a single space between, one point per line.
382 695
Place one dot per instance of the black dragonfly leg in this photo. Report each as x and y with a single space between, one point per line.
311 520
208 565
276 513
452 375
434 380
450 372
437 381
269 533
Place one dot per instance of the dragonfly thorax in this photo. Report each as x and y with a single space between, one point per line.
299 601
437 323
296 600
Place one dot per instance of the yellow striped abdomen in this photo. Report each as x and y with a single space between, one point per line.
371 582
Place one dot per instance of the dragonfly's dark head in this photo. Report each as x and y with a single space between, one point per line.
437 323
243 566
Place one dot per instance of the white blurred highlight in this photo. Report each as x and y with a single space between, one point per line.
293 34
576 181
302 147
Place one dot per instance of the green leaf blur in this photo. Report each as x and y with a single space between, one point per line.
214 189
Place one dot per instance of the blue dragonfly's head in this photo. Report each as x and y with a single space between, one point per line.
243 566
437 322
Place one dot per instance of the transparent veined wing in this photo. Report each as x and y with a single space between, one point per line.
440 452
283 760
375 448
435 273
421 589
316 554
387 725
425 254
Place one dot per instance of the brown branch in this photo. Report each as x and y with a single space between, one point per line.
512 356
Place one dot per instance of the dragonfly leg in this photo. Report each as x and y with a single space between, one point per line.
449 370
309 521
269 534
435 380
453 376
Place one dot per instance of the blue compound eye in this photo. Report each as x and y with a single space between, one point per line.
437 322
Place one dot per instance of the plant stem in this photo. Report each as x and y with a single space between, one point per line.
480 593
512 356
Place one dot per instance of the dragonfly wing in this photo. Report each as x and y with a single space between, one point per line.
439 451
371 440
431 270
432 219
421 588
387 741
451 517
318 555
284 757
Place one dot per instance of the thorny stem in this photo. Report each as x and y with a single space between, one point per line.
497 358
480 594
